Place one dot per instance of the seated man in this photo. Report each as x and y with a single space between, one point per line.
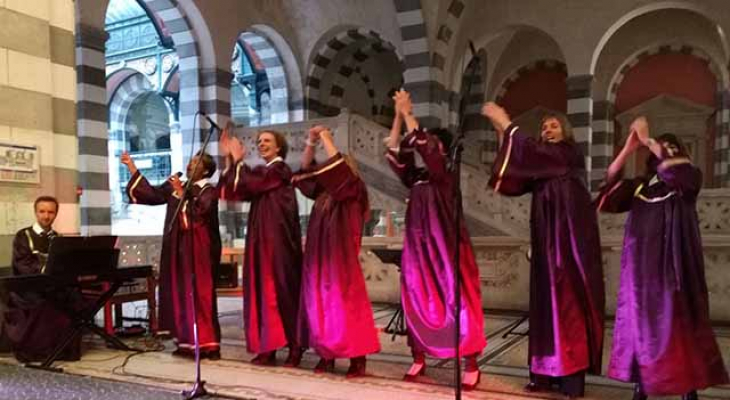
32 324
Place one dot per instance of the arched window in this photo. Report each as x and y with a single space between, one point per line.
143 87
250 89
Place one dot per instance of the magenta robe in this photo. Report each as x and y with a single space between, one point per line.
334 296
176 262
272 267
567 295
663 336
427 275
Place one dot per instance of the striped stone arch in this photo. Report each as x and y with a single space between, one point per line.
198 92
121 96
445 33
551 64
604 112
353 47
265 51
421 79
380 103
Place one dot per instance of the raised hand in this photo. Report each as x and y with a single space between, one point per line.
499 117
315 131
641 127
224 143
326 135
177 185
126 159
237 149
403 103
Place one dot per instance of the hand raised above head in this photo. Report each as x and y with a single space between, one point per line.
498 115
315 131
126 159
176 183
641 126
403 103
237 149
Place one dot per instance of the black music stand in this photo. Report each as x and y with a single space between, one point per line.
82 255
397 323
73 261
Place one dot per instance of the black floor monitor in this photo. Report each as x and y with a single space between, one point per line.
82 255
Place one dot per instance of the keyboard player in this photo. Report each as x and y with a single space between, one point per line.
31 322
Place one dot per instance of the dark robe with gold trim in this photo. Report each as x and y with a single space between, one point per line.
663 336
272 269
199 235
427 275
334 295
566 274
33 324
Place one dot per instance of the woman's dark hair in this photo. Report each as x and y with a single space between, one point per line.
207 164
652 163
280 142
444 136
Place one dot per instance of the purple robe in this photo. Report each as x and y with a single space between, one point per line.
663 337
272 267
334 295
199 235
567 294
33 323
427 275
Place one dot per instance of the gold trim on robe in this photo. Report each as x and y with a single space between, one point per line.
134 186
506 158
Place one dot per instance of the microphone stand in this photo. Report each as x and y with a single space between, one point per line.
455 151
198 389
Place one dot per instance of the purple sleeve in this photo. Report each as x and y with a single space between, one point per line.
432 152
337 179
403 162
248 183
522 160
309 187
140 191
617 196
679 174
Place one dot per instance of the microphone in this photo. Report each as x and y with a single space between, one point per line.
178 173
211 121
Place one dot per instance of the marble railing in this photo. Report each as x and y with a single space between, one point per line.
503 268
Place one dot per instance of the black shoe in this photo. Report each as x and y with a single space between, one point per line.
690 396
213 355
357 367
324 365
639 394
265 359
294 358
534 387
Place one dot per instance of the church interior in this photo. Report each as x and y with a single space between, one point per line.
83 82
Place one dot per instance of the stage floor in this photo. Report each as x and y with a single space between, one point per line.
502 365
